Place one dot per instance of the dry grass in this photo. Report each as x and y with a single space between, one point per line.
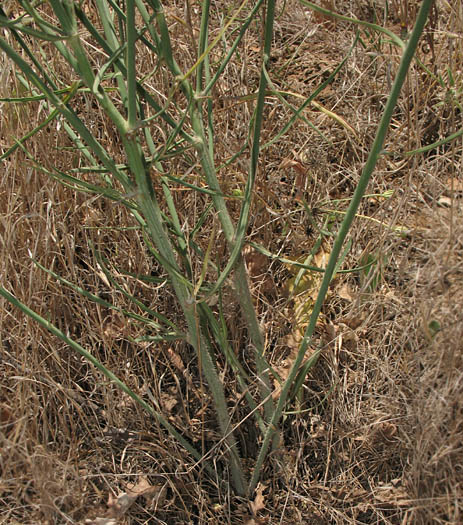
378 433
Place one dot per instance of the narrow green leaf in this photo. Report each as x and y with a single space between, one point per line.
110 375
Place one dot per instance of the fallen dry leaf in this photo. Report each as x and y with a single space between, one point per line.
259 500
119 505
292 163
142 488
345 292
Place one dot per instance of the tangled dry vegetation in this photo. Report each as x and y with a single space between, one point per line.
377 435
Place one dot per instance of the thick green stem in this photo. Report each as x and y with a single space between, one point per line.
152 213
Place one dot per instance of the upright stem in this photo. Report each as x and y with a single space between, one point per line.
131 65
345 227
235 238
152 213
261 362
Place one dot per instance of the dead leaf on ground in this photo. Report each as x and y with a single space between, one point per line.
142 488
119 505
259 500
155 495
346 293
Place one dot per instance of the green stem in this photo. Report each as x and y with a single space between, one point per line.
131 65
112 377
261 363
151 211
345 226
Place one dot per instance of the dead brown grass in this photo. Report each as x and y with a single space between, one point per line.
377 436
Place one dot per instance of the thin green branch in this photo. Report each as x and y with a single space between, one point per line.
112 377
375 151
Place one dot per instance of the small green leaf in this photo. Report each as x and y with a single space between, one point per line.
434 327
